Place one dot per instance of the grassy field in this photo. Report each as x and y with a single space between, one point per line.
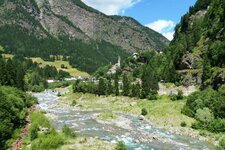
162 112
107 116
7 56
57 64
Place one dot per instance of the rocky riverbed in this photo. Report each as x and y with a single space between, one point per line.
136 133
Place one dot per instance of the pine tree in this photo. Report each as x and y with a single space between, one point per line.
126 85
101 87
116 85
136 89
109 87
10 73
3 76
149 81
75 86
20 73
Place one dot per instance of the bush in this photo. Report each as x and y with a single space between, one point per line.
178 96
221 144
120 146
40 120
204 115
51 140
216 125
62 66
34 132
173 97
152 95
68 132
13 110
74 103
144 111
59 94
210 98
183 124
196 125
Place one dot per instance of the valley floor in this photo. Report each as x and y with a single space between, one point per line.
162 113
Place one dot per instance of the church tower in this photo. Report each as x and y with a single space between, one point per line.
119 61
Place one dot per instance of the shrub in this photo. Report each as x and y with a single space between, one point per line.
40 119
152 95
13 110
173 97
196 125
62 66
183 124
68 132
210 98
74 103
180 95
144 111
217 125
59 94
34 132
221 144
204 115
51 140
120 146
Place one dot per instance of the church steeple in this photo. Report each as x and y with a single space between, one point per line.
118 61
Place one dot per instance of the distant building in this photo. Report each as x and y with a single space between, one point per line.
135 55
50 81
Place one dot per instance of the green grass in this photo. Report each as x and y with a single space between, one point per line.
72 71
7 56
38 118
169 85
107 116
57 64
60 84
162 112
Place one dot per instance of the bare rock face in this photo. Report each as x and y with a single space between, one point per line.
189 61
120 31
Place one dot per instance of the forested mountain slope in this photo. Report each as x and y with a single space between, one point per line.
70 28
198 48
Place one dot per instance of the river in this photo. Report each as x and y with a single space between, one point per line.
136 134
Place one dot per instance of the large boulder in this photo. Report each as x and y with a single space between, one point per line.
141 117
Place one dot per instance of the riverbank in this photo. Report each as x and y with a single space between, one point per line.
162 113
40 134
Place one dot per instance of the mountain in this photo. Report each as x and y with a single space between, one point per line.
88 37
198 48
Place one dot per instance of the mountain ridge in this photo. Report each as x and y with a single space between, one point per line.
92 39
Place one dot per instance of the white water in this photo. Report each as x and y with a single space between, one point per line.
139 136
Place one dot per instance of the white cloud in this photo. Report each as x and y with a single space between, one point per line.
165 27
111 7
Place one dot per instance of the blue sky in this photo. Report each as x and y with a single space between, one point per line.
159 15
